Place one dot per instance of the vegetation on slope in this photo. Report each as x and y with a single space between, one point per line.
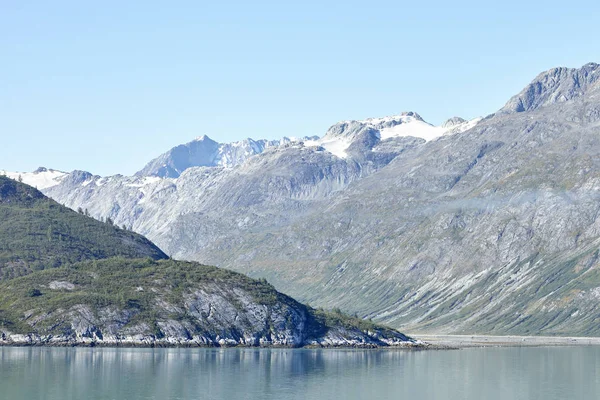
37 233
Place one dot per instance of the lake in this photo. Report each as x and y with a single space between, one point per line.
169 374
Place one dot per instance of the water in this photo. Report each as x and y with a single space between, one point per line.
231 374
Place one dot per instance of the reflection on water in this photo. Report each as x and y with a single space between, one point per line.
494 373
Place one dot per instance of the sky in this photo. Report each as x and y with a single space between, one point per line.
107 86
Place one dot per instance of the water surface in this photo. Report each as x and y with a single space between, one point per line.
168 374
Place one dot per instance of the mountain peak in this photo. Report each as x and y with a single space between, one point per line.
204 152
203 138
556 85
450 122
411 114
403 117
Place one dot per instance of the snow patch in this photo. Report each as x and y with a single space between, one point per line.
405 124
336 146
413 128
42 178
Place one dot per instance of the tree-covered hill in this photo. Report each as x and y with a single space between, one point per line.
37 233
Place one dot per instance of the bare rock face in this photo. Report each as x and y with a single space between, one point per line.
557 85
491 229
454 121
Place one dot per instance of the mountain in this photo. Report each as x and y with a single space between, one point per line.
38 233
259 190
557 85
85 284
488 226
205 152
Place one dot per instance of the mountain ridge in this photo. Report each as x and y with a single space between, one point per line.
206 152
554 86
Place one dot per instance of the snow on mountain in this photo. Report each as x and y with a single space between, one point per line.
340 136
336 146
42 178
409 126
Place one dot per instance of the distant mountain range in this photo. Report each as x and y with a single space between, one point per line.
482 226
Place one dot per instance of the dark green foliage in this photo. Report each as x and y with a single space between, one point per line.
37 233
33 292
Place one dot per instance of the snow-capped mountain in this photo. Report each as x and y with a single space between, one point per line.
205 152
196 176
41 178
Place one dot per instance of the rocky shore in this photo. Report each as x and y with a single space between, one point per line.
339 338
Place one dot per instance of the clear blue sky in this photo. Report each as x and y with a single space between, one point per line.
106 86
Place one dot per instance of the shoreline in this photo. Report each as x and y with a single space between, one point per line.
470 341
422 342
420 346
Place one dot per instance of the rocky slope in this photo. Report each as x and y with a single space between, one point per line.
558 85
483 227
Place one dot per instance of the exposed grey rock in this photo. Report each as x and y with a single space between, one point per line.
61 285
557 85
453 122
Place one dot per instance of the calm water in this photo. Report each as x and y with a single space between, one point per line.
494 373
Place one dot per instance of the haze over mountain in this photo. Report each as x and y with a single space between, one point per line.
487 226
